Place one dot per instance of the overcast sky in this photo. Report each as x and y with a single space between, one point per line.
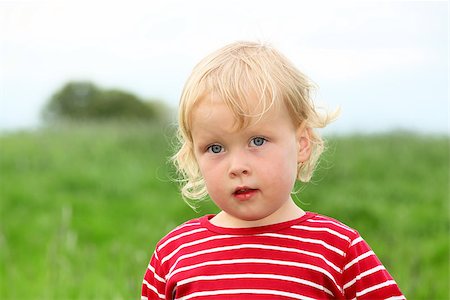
385 63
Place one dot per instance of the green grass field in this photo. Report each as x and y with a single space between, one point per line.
82 207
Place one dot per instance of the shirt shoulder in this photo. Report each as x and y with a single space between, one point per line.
183 233
318 222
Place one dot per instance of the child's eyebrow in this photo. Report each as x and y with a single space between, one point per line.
206 137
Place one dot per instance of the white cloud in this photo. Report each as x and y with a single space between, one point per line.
351 64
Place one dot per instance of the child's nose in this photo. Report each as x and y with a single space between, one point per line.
239 166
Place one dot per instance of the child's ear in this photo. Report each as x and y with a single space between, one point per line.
304 143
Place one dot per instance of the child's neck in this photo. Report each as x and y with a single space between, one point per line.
288 212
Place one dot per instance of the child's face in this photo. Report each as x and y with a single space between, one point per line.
250 172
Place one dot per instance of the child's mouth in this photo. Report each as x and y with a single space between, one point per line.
244 193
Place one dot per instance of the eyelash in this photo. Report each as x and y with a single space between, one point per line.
219 148
252 141
210 148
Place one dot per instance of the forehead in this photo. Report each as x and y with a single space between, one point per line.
218 112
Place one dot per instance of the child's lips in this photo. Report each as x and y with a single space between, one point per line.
244 193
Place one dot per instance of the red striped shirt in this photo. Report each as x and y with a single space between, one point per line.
313 257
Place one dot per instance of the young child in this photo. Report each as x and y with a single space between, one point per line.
246 126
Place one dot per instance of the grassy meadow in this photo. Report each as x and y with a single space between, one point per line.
81 207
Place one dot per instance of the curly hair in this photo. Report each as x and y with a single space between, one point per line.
232 73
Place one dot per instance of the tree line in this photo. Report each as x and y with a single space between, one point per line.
84 101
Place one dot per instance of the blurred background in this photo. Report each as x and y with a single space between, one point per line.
88 95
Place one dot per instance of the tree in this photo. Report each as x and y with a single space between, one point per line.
85 101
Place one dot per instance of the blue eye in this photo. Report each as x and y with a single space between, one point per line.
215 149
258 141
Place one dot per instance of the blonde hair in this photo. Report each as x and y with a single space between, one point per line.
231 74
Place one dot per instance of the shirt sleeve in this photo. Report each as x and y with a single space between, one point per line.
365 277
154 283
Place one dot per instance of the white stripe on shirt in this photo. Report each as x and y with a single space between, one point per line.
258 276
174 238
157 277
153 289
363 274
254 246
356 241
396 298
375 287
208 239
335 233
361 257
331 222
256 261
244 291
305 240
